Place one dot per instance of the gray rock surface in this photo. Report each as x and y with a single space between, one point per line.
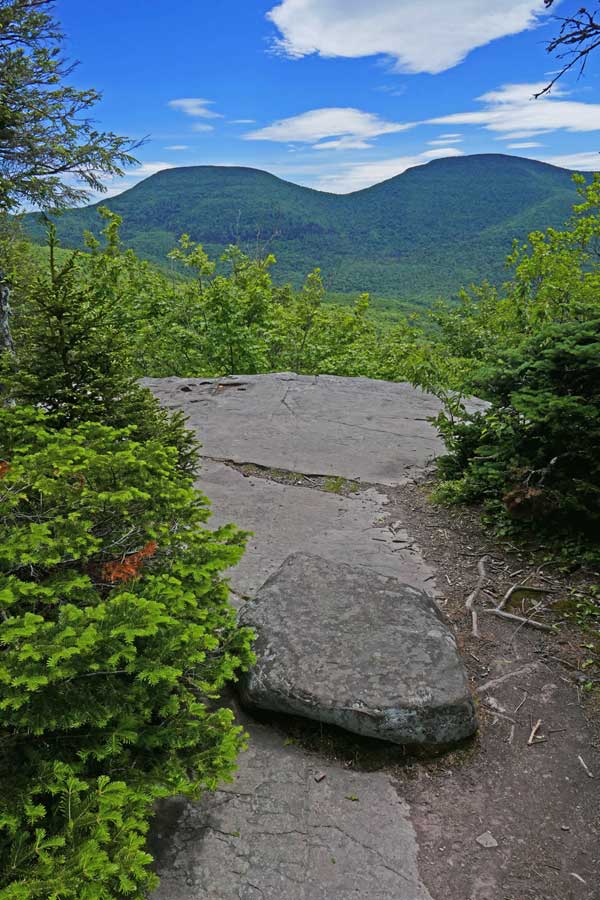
278 834
285 518
375 431
356 649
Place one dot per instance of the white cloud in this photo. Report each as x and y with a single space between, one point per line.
130 179
443 141
527 145
196 107
588 162
355 176
521 135
448 137
177 147
243 121
200 126
419 40
149 168
397 90
343 143
345 127
511 111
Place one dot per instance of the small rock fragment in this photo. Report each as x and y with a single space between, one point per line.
494 704
487 840
319 776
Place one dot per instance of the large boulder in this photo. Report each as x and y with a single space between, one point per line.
354 648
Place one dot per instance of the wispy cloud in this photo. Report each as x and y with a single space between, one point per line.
444 141
418 39
133 176
396 90
521 135
201 127
585 162
148 168
177 147
343 143
196 107
340 128
243 121
511 111
526 145
355 176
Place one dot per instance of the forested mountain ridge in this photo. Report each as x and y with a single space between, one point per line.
421 234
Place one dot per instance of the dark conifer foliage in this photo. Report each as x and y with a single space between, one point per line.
45 133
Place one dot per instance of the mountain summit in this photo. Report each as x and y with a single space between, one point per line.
421 234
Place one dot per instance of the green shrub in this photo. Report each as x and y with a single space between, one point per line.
116 637
535 450
73 354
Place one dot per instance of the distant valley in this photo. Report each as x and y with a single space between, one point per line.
420 235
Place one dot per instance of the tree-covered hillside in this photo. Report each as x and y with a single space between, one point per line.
416 236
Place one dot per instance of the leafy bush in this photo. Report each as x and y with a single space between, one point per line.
116 637
87 327
555 278
535 450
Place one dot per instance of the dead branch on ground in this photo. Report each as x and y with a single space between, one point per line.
498 609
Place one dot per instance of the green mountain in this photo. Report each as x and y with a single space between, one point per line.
416 236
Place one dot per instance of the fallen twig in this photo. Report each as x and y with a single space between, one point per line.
498 609
494 682
499 715
517 708
521 587
470 604
518 628
534 731
564 662
585 768
513 618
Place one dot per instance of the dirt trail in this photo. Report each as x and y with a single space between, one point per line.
538 801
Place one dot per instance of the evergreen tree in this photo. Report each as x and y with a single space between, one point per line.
532 456
44 134
116 638
72 355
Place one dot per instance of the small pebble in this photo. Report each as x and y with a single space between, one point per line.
487 840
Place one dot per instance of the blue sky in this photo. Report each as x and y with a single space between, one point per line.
333 94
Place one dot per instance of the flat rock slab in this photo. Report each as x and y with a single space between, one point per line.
373 431
286 518
353 648
278 834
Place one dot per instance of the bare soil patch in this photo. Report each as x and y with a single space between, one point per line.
535 795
